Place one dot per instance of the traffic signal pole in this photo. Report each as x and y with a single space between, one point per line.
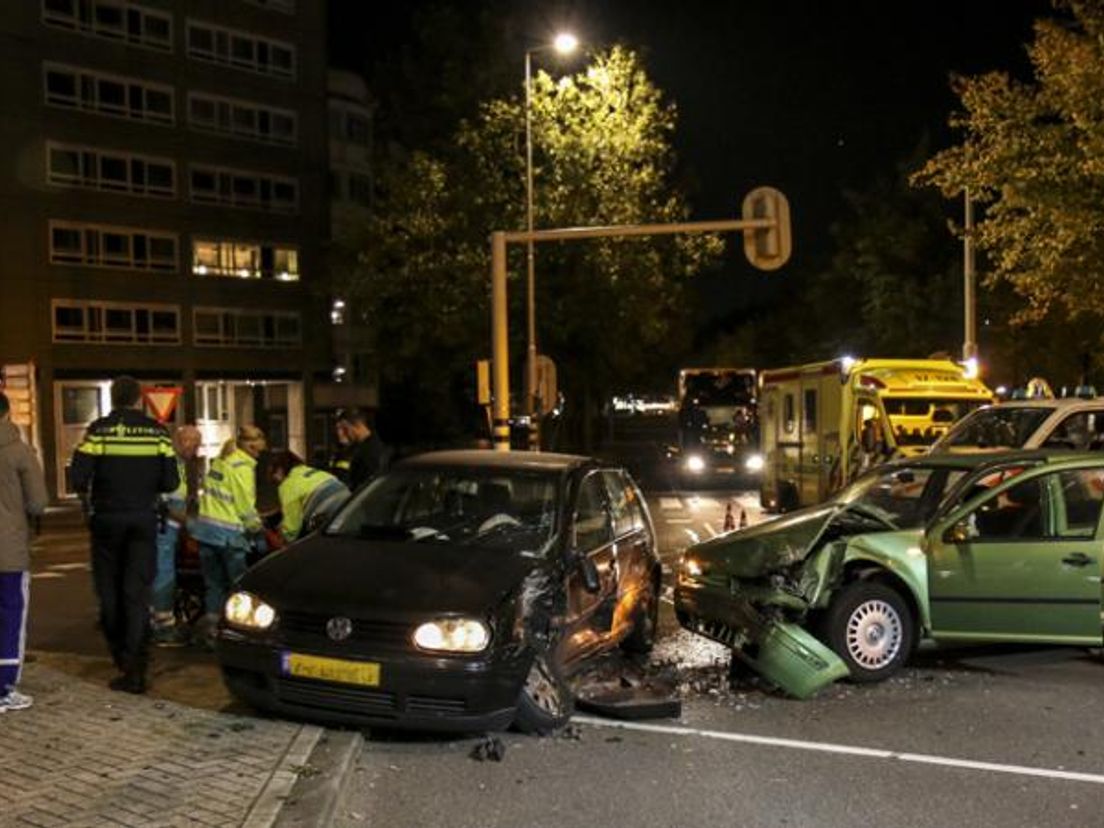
766 225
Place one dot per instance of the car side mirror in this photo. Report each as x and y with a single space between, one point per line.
589 572
958 532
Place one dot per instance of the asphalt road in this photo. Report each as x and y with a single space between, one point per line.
979 736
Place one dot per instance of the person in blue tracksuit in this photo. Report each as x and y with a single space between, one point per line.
22 494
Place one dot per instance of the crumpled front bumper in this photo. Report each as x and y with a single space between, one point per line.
782 652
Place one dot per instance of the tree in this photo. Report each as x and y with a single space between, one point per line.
1033 157
606 309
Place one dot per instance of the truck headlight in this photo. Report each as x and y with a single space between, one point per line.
695 463
754 463
244 609
453 635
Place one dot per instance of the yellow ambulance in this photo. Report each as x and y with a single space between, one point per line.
822 424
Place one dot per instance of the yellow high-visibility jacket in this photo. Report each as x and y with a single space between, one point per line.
304 493
229 498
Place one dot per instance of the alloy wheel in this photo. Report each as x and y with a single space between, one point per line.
543 690
874 634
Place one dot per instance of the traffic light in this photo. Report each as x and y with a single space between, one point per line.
767 248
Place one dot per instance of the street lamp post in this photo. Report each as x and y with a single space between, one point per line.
565 43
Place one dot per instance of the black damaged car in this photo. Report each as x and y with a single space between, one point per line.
455 592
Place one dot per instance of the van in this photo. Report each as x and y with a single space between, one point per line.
824 423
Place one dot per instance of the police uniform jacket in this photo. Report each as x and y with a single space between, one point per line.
127 460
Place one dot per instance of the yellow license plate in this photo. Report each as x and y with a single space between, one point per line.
363 673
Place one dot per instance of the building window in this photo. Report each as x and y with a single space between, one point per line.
113 20
244 328
240 188
97 245
245 260
114 95
242 119
285 6
109 323
242 50
70 165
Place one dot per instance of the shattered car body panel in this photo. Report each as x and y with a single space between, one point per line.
762 591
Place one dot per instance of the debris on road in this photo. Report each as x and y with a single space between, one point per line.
489 749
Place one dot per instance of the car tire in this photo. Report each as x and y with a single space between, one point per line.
545 703
871 627
788 498
641 639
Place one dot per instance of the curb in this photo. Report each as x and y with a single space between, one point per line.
314 797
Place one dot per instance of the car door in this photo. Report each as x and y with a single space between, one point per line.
632 547
590 613
1023 563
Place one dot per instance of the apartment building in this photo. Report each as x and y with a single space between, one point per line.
166 210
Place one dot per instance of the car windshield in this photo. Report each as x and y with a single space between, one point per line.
497 508
720 388
1000 426
919 421
906 496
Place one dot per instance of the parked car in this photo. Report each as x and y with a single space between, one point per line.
455 592
1073 424
948 547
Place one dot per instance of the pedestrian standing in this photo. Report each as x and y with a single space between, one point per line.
22 496
339 462
177 507
368 457
123 465
227 523
307 495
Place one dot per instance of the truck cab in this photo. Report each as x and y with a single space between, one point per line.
824 423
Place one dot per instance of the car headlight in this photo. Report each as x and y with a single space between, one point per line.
754 463
692 568
453 635
244 609
695 463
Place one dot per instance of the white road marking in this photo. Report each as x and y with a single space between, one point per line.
46 575
678 521
65 567
670 503
850 750
692 535
709 527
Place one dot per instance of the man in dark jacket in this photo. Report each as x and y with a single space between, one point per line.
124 463
22 494
369 455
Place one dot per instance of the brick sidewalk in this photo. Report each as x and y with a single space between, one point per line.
85 756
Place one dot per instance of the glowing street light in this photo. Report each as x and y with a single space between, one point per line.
564 44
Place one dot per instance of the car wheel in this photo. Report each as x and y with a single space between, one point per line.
870 626
788 498
645 623
545 703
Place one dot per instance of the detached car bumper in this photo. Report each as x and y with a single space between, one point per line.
781 652
415 691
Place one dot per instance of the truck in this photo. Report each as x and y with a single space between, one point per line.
824 423
718 429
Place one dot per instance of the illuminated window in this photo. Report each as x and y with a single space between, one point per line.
245 260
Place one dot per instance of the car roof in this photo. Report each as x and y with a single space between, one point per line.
978 459
502 460
1063 403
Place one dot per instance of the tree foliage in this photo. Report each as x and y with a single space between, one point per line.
606 309
1033 155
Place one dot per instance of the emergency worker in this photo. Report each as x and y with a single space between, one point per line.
228 523
124 462
177 507
369 455
307 495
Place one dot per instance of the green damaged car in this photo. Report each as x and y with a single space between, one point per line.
953 548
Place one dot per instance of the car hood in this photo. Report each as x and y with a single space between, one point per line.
357 577
766 547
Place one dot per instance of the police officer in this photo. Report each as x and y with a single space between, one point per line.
228 522
124 463
307 495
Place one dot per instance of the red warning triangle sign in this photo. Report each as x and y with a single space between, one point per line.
162 400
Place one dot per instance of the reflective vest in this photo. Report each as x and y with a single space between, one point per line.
127 460
304 493
229 498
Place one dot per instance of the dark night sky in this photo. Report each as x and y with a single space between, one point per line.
810 97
